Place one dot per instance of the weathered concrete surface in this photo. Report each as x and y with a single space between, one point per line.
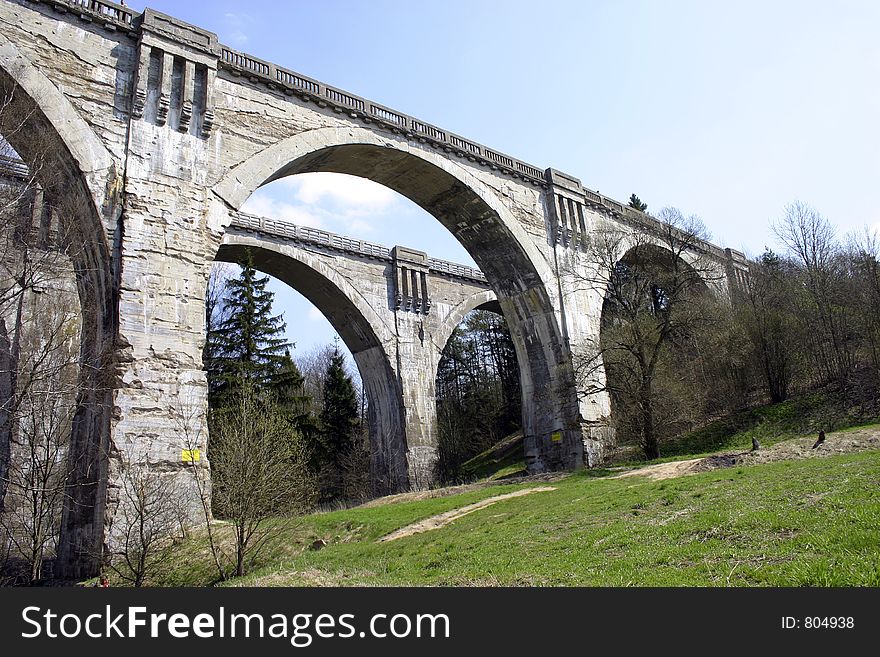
162 134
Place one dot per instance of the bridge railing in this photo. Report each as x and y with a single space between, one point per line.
113 15
311 235
110 14
455 269
651 224
344 243
239 63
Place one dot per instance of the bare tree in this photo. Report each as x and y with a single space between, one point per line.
41 407
190 420
355 464
652 282
36 252
811 240
313 367
147 520
260 470
863 254
770 319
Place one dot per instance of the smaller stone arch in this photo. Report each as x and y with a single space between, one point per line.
483 300
699 272
367 335
667 239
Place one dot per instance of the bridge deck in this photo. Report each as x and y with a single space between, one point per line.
346 244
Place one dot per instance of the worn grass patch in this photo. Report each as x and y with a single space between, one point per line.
790 523
504 459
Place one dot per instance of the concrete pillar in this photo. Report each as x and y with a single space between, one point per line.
386 422
417 361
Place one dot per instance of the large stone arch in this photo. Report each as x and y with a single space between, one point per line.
364 332
81 155
477 217
78 179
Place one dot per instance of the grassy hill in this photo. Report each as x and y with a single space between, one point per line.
806 414
803 415
814 521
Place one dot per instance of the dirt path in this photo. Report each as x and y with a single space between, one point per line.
443 519
547 477
663 470
841 442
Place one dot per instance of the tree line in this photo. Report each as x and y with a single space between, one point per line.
477 391
680 345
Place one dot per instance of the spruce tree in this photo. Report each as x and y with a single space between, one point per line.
339 422
288 386
248 346
636 202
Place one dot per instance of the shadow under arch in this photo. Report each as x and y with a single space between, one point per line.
657 259
475 215
498 387
63 153
362 331
648 285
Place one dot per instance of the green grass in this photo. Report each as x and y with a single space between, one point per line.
791 523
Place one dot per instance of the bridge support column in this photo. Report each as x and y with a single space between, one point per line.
417 358
160 408
163 251
385 419
417 368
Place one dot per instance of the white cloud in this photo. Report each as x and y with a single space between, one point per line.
236 33
315 315
357 226
282 211
350 193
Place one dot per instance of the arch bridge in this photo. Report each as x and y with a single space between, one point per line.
154 135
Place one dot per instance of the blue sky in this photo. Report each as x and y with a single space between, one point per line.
724 110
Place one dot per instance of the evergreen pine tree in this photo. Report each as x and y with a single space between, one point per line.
288 385
339 422
248 345
636 202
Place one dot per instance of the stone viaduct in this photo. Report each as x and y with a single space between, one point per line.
153 134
